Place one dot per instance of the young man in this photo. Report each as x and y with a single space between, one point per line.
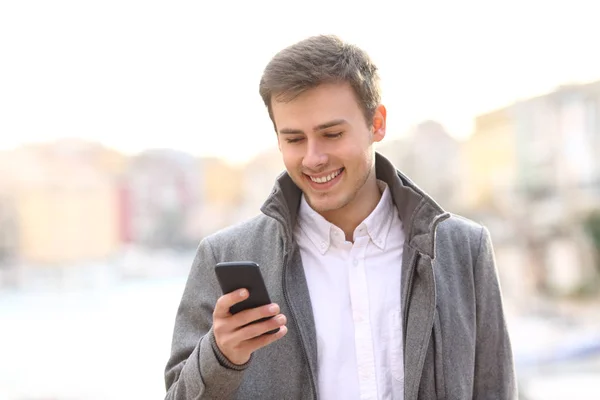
379 293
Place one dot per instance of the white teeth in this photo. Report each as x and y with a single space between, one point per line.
327 178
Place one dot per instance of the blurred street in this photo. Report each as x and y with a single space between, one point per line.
108 341
96 335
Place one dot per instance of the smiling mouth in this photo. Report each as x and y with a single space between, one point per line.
325 179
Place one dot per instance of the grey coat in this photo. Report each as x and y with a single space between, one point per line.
456 344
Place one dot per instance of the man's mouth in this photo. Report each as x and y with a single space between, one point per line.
326 178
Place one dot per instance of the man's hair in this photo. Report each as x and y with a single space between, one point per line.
318 60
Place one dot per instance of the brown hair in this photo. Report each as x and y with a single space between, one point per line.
317 60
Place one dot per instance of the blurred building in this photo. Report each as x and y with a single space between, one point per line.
559 147
258 177
158 194
222 196
490 163
430 157
535 165
222 182
59 204
558 179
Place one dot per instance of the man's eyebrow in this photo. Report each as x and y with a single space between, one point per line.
329 124
319 127
290 131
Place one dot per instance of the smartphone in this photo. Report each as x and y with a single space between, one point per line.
234 275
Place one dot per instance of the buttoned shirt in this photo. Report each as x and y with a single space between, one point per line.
355 291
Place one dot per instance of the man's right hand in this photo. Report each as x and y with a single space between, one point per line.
236 341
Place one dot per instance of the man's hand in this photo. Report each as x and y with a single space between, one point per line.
237 341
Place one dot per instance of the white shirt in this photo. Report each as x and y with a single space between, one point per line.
355 297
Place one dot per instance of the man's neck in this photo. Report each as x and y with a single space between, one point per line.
354 213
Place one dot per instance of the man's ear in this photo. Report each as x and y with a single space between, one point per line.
379 119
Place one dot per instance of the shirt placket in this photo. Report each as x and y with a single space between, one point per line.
359 297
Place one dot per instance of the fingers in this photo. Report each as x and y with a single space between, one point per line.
257 336
239 335
254 314
265 340
225 302
246 337
257 329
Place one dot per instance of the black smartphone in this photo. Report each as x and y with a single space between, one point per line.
234 275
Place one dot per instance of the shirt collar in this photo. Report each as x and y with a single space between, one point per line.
316 227
377 224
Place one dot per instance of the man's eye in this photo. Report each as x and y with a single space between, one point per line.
333 135
294 140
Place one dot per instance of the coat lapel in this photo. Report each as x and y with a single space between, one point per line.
419 303
299 302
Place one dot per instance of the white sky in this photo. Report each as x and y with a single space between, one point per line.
138 74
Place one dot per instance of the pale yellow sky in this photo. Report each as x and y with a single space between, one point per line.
184 75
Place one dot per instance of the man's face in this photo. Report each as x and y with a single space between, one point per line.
327 145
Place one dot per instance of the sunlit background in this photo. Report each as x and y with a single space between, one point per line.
129 130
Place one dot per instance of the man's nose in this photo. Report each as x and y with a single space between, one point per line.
315 157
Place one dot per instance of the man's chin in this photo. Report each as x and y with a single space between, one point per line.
322 205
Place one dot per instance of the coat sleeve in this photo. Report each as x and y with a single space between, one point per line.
196 368
494 365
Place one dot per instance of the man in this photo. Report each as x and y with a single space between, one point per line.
379 293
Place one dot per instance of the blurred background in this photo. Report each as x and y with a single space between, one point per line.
130 129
